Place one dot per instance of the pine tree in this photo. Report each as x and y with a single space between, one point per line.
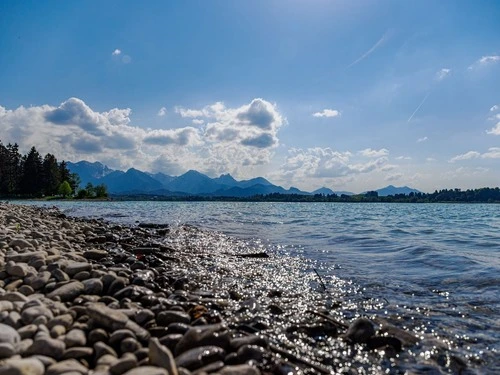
51 175
31 180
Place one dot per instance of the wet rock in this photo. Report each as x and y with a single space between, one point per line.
65 366
216 335
67 292
167 317
8 334
360 331
22 366
383 341
161 356
143 316
238 342
199 357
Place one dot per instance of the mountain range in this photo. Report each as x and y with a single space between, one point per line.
134 181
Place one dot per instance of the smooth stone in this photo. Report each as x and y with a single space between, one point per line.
75 337
129 345
95 254
65 320
238 342
97 335
6 350
65 366
171 340
67 292
23 346
78 352
26 290
213 367
216 335
40 280
360 331
24 366
57 331
14 319
147 370
81 276
30 314
102 349
13 297
106 360
19 242
144 316
124 364
6 306
106 317
60 275
250 352
93 286
75 267
48 347
165 318
199 357
239 370
27 331
119 335
8 334
17 269
161 356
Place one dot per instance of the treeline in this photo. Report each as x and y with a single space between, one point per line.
34 176
483 195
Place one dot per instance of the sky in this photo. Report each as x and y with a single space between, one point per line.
351 95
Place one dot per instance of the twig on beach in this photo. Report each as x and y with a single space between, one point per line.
320 280
329 318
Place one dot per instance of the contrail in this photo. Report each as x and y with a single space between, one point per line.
420 105
381 41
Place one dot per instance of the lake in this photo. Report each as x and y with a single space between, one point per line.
438 263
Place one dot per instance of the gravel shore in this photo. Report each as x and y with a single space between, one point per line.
88 297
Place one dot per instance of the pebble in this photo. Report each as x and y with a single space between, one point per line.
65 366
67 292
360 331
147 370
161 356
200 356
8 335
75 337
22 366
47 346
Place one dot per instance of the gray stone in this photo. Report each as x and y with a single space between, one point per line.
75 337
28 331
6 306
75 267
65 320
102 349
166 317
8 334
23 346
144 316
24 366
124 364
147 370
29 315
93 286
78 352
67 292
57 331
198 357
95 254
6 350
40 280
215 334
48 347
65 366
19 242
120 335
129 345
13 297
17 269
239 370
161 356
26 290
60 275
106 317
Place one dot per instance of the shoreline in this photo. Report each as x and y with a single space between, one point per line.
104 292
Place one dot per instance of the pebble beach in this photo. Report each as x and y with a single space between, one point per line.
81 296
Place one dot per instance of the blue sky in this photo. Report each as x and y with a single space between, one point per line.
352 95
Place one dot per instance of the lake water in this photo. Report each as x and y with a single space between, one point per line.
439 263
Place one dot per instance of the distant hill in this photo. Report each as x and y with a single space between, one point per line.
192 182
392 190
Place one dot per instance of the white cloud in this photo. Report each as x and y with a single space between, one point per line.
235 140
496 107
189 112
467 156
394 177
162 112
116 52
423 139
493 153
370 153
402 157
442 74
496 129
327 113
198 121
430 160
484 61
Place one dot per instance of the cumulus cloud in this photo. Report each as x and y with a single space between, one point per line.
326 163
116 52
495 130
227 139
327 113
162 112
485 61
492 153
198 121
423 139
495 108
371 153
442 74
394 177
